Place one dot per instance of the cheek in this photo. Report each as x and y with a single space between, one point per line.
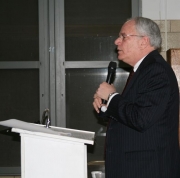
128 48
128 52
131 47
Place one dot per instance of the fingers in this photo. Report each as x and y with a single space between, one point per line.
97 103
102 93
95 95
104 90
96 107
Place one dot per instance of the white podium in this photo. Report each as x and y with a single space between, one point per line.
51 153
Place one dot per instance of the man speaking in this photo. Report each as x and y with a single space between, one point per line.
142 133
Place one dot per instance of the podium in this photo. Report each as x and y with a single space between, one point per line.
51 152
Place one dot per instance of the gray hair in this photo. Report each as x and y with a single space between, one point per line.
147 27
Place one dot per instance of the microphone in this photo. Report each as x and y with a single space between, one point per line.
111 75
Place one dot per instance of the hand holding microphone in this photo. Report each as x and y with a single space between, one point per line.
110 76
105 88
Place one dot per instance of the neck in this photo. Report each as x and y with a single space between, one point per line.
143 53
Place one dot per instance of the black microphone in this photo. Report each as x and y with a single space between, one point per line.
111 75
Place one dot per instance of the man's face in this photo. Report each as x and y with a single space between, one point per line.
128 43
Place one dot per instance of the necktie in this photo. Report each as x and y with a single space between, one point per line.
129 78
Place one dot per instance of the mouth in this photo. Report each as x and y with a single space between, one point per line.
119 51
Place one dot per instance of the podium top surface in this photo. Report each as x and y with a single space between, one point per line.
53 132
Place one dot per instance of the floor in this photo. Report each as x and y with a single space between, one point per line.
10 176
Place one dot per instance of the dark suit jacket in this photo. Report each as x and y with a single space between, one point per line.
142 136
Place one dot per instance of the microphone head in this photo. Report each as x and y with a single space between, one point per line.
112 67
111 74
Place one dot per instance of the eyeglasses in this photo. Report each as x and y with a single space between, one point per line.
123 36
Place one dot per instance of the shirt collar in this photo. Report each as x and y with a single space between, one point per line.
138 64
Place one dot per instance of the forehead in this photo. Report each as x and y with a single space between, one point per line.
128 27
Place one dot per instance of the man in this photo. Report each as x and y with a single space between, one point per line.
142 134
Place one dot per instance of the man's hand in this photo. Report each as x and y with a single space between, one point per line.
97 103
104 90
102 93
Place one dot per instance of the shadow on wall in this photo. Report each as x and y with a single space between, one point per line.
179 120
173 58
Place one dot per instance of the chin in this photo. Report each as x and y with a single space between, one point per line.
120 58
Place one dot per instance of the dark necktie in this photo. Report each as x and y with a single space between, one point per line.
128 80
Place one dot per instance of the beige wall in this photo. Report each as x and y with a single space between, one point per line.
170 31
162 9
171 40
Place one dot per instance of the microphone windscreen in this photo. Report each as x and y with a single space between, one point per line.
111 72
112 66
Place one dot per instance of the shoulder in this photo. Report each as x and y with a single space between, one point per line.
154 63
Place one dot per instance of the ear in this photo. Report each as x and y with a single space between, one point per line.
144 42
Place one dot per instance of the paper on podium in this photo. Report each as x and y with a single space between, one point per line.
77 134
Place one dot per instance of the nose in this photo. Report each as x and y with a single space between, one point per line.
118 41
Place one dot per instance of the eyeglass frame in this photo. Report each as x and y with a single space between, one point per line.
124 36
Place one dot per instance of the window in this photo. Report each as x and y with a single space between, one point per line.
54 54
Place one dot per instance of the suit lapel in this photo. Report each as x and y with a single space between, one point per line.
147 60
